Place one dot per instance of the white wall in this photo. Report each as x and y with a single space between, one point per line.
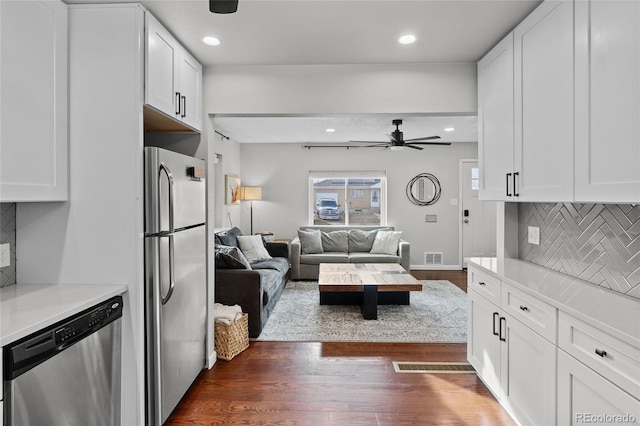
282 169
325 89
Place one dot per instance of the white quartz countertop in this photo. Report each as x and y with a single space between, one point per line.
26 308
612 312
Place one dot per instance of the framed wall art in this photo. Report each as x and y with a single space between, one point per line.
231 189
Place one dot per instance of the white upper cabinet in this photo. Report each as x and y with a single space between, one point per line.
33 120
173 77
607 100
543 58
495 120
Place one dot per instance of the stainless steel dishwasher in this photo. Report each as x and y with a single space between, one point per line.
69 373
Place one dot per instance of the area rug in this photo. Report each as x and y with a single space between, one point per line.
438 313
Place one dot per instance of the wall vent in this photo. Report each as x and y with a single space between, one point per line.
433 258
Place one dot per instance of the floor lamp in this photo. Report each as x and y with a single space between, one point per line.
251 193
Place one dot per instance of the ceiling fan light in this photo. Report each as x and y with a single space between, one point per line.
395 148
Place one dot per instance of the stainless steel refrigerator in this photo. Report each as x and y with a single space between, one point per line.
175 278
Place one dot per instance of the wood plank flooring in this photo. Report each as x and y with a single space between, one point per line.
334 384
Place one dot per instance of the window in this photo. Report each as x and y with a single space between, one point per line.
347 198
475 179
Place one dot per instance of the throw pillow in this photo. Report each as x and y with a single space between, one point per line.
386 242
253 248
361 241
310 241
227 257
229 237
335 241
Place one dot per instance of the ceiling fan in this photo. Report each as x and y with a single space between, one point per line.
397 141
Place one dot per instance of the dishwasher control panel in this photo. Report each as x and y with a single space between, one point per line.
90 321
30 351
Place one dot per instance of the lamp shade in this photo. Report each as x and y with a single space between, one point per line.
250 193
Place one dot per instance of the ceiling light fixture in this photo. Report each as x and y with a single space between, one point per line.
449 129
407 39
331 130
211 41
223 6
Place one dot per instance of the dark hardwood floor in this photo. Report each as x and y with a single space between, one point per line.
311 383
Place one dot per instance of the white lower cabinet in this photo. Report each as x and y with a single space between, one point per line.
528 374
585 397
515 362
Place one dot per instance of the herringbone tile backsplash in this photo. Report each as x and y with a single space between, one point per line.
8 235
599 243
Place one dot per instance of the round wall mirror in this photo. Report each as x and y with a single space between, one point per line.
424 189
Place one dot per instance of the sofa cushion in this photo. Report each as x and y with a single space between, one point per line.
253 248
229 237
310 241
270 279
316 259
386 242
361 241
373 258
279 264
227 257
337 241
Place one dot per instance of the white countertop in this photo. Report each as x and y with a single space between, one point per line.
26 308
612 312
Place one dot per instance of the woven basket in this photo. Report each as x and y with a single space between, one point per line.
231 339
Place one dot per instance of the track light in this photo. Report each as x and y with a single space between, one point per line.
223 6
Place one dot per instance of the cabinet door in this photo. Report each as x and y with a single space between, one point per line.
495 121
33 82
586 397
543 54
190 90
528 374
161 71
483 346
607 101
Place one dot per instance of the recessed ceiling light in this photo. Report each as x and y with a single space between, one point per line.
331 130
211 41
449 129
407 39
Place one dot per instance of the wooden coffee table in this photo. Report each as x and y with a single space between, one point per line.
365 284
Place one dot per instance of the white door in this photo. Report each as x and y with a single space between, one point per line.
478 228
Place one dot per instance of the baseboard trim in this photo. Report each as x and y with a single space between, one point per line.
212 360
436 267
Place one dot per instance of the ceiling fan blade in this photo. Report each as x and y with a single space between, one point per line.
412 146
430 143
428 138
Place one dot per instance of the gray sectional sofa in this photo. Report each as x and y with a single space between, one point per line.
351 244
256 287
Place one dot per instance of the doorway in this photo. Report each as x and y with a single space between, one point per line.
477 218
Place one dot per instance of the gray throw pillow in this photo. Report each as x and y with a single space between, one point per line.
229 237
310 241
335 241
228 257
361 241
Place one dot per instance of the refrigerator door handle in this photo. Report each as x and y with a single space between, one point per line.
163 168
172 274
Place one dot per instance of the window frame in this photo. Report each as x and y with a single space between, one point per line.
347 175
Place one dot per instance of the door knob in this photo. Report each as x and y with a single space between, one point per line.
466 221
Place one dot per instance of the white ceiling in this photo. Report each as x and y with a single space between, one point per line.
302 32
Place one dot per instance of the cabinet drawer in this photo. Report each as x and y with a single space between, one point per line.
484 284
612 358
532 312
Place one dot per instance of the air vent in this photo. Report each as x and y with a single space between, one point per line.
433 258
433 367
